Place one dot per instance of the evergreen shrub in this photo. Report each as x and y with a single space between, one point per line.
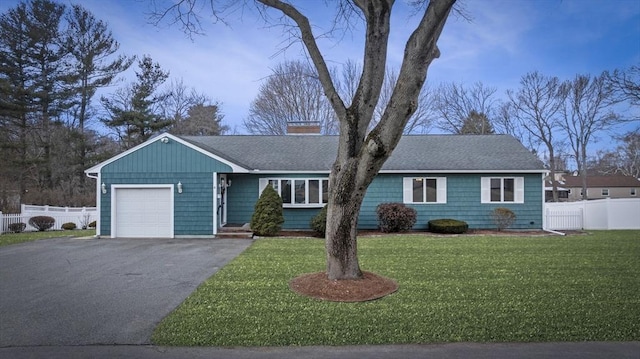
69 226
319 222
268 215
448 226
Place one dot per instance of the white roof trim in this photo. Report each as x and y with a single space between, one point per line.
234 167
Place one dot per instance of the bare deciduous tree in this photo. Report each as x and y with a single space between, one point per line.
537 106
191 113
292 94
455 102
624 159
588 111
626 84
422 119
201 120
361 153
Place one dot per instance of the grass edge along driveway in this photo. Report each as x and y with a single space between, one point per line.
15 238
452 289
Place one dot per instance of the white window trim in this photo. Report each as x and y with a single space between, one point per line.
263 182
441 190
485 185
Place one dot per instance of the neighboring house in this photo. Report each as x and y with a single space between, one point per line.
563 192
174 186
599 187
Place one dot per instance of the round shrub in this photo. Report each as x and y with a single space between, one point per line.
42 223
17 227
267 216
503 217
448 226
69 226
319 222
92 224
395 217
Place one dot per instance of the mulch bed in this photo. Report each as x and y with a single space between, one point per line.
373 286
319 286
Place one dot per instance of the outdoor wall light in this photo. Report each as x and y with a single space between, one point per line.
228 183
164 140
104 188
179 187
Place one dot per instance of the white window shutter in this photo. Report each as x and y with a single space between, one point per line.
407 190
485 190
441 184
262 184
519 195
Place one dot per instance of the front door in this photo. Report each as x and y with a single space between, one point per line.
222 200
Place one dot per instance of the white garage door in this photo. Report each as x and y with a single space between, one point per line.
143 212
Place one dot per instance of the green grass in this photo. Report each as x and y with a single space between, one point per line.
477 289
13 238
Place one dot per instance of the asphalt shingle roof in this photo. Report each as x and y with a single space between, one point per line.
602 181
414 152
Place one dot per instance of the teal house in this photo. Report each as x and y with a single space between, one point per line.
178 186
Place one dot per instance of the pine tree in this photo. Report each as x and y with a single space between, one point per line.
134 112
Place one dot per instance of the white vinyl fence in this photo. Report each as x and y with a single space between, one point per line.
81 216
620 213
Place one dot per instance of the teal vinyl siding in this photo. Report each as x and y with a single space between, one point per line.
165 157
193 209
241 198
463 201
243 194
169 163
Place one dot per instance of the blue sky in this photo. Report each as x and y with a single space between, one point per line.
505 40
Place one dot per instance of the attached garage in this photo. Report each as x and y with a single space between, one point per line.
165 187
142 211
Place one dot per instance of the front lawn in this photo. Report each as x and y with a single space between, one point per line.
467 288
13 238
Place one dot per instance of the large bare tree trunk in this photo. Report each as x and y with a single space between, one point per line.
361 154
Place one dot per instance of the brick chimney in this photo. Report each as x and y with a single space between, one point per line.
303 128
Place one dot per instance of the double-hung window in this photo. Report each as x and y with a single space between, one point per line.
299 192
502 189
424 189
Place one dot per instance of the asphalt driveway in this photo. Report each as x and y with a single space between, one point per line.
100 291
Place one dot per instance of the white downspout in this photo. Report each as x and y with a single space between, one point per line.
215 203
544 210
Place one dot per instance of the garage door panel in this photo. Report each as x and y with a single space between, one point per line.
143 212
